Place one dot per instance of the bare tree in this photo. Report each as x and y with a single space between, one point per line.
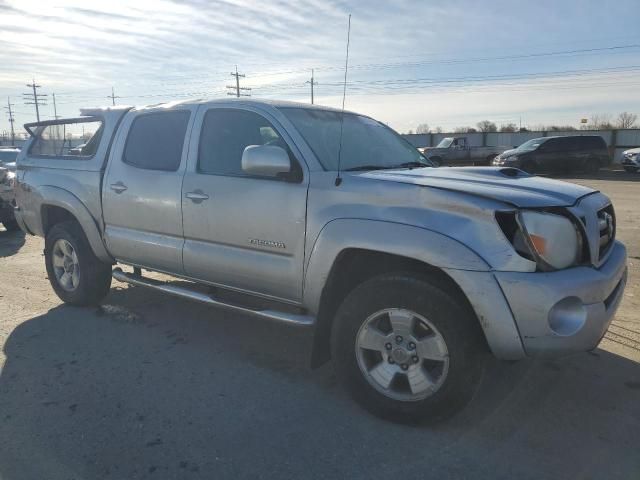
600 121
508 128
626 120
487 126
410 132
464 130
422 128
437 130
561 128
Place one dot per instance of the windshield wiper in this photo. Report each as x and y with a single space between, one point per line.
413 164
367 167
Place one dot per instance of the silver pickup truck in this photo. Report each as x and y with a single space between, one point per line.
458 151
408 274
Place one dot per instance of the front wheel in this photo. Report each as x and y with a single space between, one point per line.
591 166
11 225
77 276
407 350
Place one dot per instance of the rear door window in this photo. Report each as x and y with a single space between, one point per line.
156 140
72 139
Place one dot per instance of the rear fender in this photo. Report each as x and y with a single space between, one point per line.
58 197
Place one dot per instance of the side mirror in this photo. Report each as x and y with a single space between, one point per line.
265 160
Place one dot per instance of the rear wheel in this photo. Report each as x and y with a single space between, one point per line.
77 276
407 350
631 169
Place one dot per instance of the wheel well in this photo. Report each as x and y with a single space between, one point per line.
52 215
354 266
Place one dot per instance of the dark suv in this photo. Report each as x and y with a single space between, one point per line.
579 153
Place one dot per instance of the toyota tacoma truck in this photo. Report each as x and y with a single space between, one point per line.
458 151
408 274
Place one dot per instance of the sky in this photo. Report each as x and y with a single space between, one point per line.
447 64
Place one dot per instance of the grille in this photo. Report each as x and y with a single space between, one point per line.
606 229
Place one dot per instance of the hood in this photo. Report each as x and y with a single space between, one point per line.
507 185
509 153
632 150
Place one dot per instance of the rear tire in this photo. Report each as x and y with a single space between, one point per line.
77 276
11 225
428 377
631 169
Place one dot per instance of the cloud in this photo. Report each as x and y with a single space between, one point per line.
162 49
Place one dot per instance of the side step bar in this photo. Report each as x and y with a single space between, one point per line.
284 317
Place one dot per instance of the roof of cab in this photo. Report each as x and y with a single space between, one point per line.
241 101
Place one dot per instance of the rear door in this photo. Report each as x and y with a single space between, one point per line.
142 189
243 232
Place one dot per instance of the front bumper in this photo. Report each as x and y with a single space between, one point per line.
565 311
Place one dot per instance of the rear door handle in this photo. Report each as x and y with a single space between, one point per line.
118 187
197 196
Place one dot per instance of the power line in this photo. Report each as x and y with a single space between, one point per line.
312 82
35 98
238 87
55 110
11 120
113 97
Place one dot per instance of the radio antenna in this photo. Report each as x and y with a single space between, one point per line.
344 94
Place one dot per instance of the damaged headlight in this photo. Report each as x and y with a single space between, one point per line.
551 240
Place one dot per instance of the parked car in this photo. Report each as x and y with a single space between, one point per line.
408 274
7 174
458 151
631 160
577 153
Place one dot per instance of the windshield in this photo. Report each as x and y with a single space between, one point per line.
8 155
366 143
531 144
445 143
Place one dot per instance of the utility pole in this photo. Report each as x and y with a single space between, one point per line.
11 120
35 98
55 110
312 82
113 97
237 88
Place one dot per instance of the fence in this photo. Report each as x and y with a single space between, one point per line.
617 140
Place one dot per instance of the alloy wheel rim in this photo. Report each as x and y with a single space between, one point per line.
66 266
401 354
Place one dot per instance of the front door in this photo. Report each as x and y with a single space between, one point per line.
241 231
142 189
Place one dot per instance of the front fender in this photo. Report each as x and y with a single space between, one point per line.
399 239
58 197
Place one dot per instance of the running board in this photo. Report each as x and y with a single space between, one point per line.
284 317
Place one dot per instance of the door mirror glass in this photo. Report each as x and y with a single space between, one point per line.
265 161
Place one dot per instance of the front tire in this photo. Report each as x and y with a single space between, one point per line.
77 276
407 350
11 225
592 166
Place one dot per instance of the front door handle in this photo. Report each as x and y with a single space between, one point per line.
118 187
197 196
